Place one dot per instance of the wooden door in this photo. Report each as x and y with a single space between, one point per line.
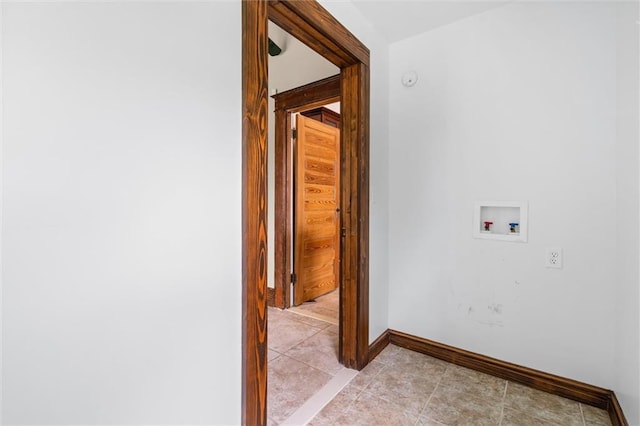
317 227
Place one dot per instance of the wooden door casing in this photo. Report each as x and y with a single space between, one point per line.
310 23
317 224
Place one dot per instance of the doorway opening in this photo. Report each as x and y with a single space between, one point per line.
303 202
315 27
320 101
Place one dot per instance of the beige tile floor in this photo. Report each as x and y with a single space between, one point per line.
400 386
325 308
303 357
403 387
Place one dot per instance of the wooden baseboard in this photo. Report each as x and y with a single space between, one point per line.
271 296
567 388
615 411
378 345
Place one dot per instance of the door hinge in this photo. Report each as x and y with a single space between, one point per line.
295 133
343 232
294 278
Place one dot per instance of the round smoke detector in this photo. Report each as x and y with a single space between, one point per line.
409 78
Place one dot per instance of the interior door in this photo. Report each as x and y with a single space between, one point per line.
317 204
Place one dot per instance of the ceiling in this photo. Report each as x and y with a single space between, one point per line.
399 19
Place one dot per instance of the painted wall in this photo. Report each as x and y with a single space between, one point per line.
351 18
121 213
518 103
627 321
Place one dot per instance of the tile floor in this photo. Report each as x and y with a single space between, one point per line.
404 387
325 308
303 357
399 386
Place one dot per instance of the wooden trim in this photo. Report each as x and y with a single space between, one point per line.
309 96
294 100
556 385
615 411
379 344
319 30
271 297
282 209
254 212
314 26
354 295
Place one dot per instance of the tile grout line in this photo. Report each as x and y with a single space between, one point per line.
294 314
432 393
584 421
429 400
320 399
501 415
386 366
319 330
504 399
316 330
286 353
351 403
318 317
363 388
313 366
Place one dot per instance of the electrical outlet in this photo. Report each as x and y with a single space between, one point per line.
553 258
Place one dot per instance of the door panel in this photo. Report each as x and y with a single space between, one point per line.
316 230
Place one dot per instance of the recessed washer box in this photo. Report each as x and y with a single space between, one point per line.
501 220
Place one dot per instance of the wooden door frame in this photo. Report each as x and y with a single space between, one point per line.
302 98
314 26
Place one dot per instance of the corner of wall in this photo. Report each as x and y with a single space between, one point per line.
627 344
348 14
1 200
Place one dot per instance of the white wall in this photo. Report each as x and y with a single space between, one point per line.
351 18
297 65
121 213
1 162
627 321
518 103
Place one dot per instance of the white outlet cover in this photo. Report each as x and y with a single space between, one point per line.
553 257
